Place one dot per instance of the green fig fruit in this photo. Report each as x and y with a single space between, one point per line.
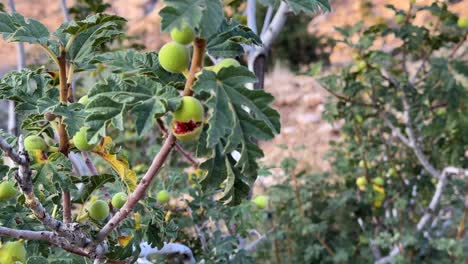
7 190
32 143
261 201
183 35
462 22
174 57
13 252
162 196
99 210
119 199
81 141
225 64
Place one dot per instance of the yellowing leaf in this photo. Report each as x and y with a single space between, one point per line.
137 218
120 165
124 240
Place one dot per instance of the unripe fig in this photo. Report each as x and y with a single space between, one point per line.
462 22
163 196
400 18
361 164
32 143
187 120
13 252
361 183
119 199
225 63
174 57
379 181
392 172
81 141
7 190
261 201
99 210
183 35
84 100
361 65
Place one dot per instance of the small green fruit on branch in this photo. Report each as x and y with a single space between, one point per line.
183 35
13 252
174 57
32 143
99 210
119 199
80 140
162 196
462 22
7 190
261 201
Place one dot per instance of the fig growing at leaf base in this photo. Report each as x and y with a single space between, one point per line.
7 190
99 210
32 143
224 64
174 57
183 35
361 183
80 140
261 201
119 199
13 252
162 196
187 120
462 22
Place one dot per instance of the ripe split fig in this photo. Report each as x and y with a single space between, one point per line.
187 121
81 141
7 190
99 210
183 35
119 199
174 57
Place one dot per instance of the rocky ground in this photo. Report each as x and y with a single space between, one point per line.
300 99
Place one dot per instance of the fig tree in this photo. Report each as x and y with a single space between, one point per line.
187 121
7 190
224 64
81 141
183 35
99 210
261 201
462 22
163 196
174 57
32 143
119 199
13 252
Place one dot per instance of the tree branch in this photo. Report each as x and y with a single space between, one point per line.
250 12
178 147
412 141
167 249
140 190
427 216
50 237
267 20
24 178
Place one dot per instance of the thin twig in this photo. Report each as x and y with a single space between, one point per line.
178 147
199 46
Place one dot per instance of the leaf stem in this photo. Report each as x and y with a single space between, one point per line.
50 53
70 42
